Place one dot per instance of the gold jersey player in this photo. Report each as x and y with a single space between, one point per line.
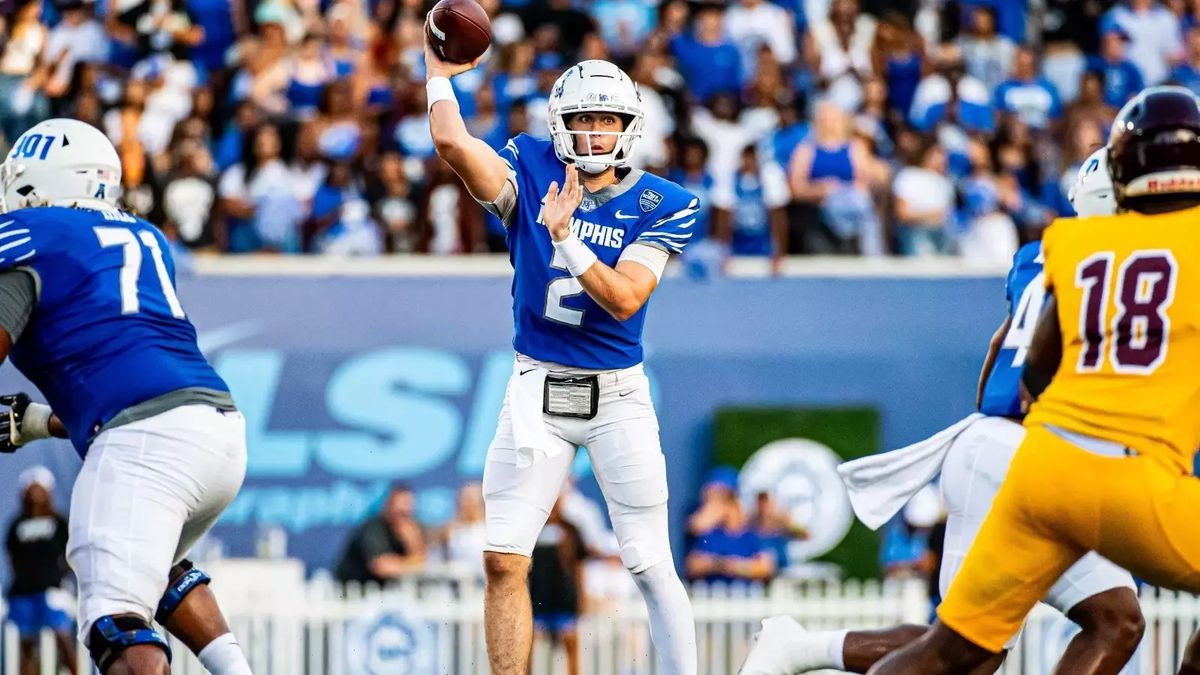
1107 462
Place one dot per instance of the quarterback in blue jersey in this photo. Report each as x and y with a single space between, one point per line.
973 458
589 239
89 314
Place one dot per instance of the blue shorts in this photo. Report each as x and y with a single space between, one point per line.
555 622
32 613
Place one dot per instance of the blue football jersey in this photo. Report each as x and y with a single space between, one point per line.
1026 292
107 332
555 319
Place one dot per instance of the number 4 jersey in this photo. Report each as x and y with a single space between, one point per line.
1026 292
1128 292
555 319
104 337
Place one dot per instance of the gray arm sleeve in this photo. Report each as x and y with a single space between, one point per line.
505 204
18 297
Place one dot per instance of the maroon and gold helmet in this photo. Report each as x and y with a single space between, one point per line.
1154 146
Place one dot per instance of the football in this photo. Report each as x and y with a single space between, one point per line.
458 30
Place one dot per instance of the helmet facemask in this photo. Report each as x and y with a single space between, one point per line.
566 141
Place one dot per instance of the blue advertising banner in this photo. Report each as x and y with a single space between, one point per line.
351 384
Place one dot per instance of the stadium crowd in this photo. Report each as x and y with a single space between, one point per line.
915 127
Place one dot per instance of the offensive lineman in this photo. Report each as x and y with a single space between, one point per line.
586 258
1094 593
88 313
1106 464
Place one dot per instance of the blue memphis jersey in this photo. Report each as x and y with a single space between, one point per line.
1026 292
555 319
107 332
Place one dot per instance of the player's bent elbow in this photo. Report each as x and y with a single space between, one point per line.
446 148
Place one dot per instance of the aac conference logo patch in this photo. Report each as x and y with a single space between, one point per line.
802 476
649 200
390 643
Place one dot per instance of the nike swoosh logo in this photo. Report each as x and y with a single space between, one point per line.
622 216
523 372
623 394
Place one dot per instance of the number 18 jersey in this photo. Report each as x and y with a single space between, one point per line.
1026 292
1128 292
107 332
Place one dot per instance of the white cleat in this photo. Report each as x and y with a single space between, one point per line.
770 653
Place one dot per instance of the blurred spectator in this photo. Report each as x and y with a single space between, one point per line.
1010 16
1027 95
261 196
78 38
925 200
987 54
693 174
624 24
726 130
37 551
839 52
556 584
386 546
749 212
1187 73
1090 107
706 59
562 24
1155 36
725 549
949 94
828 174
393 206
189 199
23 72
906 541
310 71
898 56
340 221
464 537
753 24
775 528
658 122
988 236
1122 79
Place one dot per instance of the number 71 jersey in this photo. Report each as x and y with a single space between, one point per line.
107 331
1128 292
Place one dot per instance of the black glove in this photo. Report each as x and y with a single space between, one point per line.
17 426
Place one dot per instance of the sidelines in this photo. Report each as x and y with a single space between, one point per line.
434 626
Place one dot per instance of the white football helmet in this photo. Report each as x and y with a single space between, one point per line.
594 86
1092 194
61 162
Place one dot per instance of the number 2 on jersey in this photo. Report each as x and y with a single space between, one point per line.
131 269
1136 342
558 290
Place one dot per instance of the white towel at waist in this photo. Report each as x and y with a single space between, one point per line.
525 392
880 485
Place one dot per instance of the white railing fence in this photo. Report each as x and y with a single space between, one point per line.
434 626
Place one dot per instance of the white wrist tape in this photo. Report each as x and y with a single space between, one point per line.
577 256
35 424
439 89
